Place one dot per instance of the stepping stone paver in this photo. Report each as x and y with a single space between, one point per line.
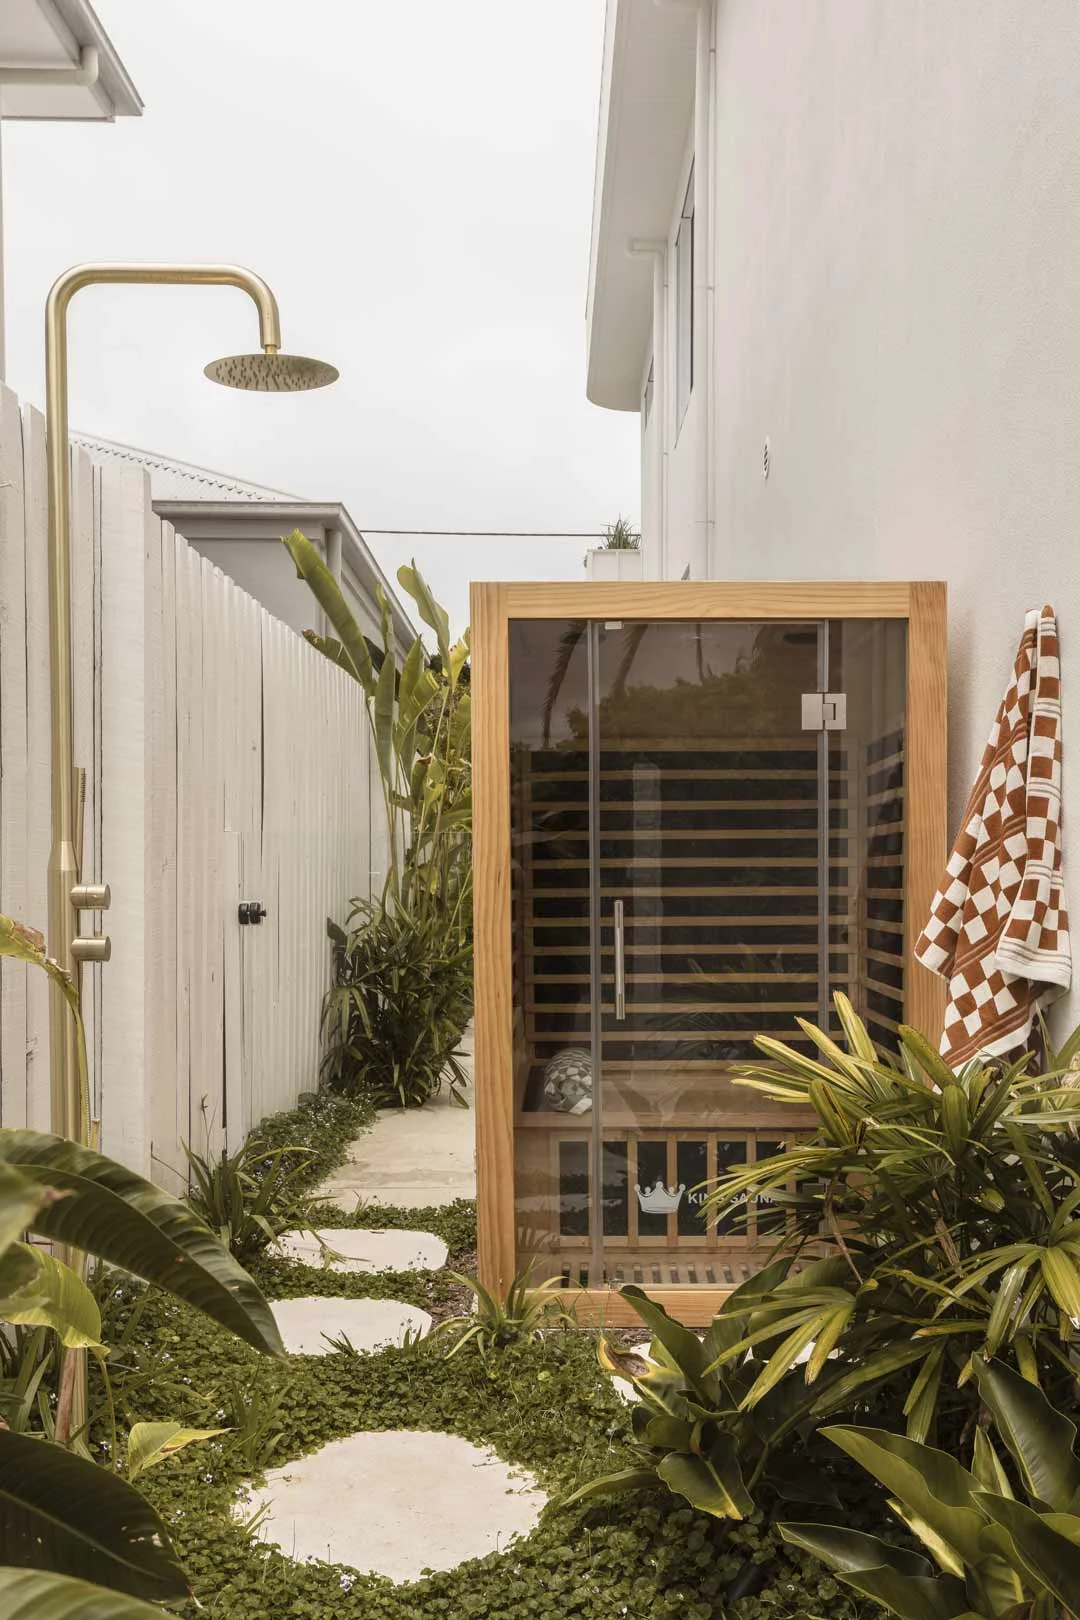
363 1250
368 1324
395 1502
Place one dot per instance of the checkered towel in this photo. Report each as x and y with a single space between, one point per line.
999 926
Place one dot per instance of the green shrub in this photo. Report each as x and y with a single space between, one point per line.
401 998
248 1198
948 1204
992 1556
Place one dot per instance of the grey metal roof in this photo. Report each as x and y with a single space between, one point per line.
172 480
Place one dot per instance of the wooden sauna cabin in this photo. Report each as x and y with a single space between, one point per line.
700 810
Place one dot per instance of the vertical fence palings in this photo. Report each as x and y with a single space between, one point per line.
226 761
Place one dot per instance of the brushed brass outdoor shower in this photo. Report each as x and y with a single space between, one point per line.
267 372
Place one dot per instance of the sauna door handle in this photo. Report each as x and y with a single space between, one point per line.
620 964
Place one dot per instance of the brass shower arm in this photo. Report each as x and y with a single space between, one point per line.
172 275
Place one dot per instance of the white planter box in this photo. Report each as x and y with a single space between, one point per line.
613 565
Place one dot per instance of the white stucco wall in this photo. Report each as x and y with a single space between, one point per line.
895 261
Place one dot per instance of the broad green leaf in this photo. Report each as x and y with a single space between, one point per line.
18 1268
62 1512
28 1594
27 945
987 1468
945 1556
382 718
712 1484
927 1482
331 649
627 1479
116 1215
1049 1556
56 1297
684 1347
150 1443
459 654
903 1581
1040 1439
20 1200
327 592
666 1432
412 581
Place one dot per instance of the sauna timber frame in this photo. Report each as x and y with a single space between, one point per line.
921 604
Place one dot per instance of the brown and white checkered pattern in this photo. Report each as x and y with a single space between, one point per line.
999 925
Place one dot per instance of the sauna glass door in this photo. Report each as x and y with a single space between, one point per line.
707 834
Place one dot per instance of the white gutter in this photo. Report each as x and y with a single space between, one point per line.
702 552
658 251
85 75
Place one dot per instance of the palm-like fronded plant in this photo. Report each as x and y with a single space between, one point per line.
950 1202
421 727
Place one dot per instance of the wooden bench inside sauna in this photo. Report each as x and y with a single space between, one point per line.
707 838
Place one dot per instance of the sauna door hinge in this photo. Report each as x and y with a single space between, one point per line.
824 711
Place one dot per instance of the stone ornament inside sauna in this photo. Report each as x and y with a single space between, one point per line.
568 1081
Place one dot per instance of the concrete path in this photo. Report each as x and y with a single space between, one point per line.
352 1248
411 1156
306 1325
396 1502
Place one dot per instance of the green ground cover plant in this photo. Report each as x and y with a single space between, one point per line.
540 1401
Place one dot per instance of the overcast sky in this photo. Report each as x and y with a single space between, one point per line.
415 182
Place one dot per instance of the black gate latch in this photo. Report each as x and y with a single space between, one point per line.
251 911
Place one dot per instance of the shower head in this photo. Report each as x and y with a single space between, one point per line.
271 372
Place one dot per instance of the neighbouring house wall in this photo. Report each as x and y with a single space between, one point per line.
226 760
895 243
264 569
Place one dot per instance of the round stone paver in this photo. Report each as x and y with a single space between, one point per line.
363 1250
368 1324
395 1502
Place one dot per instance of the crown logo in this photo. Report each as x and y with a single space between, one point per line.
658 1199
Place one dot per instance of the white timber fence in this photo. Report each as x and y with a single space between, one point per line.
227 764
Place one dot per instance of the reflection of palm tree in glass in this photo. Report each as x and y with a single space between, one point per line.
568 645
755 697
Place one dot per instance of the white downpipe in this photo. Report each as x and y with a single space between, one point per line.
86 73
704 168
658 252
712 552
3 342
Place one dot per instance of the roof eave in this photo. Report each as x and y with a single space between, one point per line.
286 515
646 106
77 25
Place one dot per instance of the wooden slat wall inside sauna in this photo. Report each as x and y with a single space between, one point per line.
714 850
879 993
